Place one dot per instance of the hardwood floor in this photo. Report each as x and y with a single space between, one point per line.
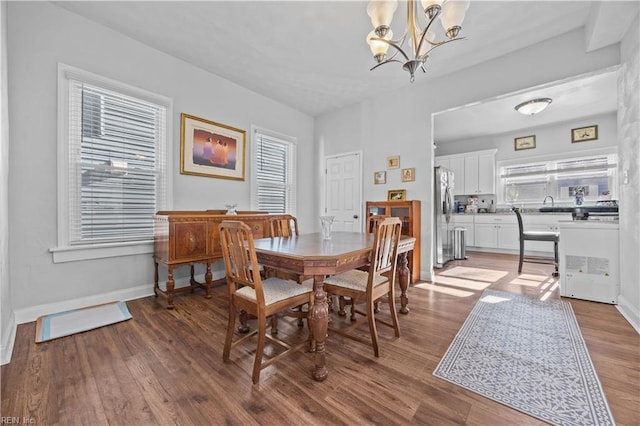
165 366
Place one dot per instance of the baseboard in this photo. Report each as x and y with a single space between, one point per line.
9 337
629 312
32 313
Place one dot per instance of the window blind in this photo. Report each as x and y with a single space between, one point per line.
274 175
116 165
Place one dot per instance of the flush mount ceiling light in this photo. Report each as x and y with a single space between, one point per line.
533 106
422 40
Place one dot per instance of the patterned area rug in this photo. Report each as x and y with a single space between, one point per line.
529 355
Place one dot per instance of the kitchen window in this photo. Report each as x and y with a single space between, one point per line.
274 165
594 175
112 173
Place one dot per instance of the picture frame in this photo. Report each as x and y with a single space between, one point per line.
583 134
379 177
393 162
524 142
397 195
211 149
409 175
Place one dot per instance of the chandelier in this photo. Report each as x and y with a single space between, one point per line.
422 40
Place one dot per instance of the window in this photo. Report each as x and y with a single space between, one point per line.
595 175
112 165
273 186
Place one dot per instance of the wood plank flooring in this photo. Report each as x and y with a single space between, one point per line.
165 366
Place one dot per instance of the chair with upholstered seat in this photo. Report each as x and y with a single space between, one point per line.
250 293
549 236
367 287
286 226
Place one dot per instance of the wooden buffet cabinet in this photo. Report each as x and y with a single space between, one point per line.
189 237
409 213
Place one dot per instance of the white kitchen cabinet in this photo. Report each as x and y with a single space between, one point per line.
456 165
497 231
474 172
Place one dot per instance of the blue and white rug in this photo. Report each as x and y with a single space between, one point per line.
529 355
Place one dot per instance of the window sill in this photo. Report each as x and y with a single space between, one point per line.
76 253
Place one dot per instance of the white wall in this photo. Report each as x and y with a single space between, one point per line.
629 136
7 321
40 35
399 123
550 139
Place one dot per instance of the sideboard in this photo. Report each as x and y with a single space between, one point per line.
189 237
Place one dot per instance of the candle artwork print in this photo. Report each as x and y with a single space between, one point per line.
211 149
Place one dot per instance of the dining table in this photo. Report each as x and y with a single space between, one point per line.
312 255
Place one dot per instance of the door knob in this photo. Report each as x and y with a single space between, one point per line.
355 216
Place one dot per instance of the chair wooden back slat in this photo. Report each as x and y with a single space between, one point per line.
240 261
285 226
385 248
373 222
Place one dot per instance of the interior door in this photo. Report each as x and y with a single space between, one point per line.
343 186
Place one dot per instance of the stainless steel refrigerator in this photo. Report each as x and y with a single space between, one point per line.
443 204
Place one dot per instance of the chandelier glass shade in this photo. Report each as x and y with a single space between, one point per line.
533 106
421 40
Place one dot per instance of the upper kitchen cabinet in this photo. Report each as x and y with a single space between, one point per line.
473 172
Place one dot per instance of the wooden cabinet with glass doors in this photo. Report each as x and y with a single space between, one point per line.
409 213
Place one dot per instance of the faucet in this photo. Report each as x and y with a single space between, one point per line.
545 200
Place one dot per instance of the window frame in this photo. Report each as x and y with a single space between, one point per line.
551 172
293 144
65 251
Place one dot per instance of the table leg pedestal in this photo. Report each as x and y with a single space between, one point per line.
319 317
403 282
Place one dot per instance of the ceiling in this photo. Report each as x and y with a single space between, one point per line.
312 55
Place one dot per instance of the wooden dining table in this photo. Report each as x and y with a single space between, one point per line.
311 255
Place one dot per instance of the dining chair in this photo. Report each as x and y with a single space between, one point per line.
250 293
367 287
550 236
286 226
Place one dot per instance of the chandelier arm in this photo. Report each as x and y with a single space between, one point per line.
385 62
394 44
424 35
442 43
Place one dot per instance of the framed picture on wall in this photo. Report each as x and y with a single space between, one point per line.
525 142
393 162
211 149
379 177
409 175
397 195
583 134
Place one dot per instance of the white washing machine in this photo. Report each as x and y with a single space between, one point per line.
590 260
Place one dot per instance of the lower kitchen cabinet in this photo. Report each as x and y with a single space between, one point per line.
497 231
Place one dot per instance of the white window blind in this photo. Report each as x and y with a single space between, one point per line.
116 165
274 177
531 183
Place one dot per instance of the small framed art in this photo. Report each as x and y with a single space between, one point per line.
393 162
409 175
379 177
397 195
525 142
583 134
